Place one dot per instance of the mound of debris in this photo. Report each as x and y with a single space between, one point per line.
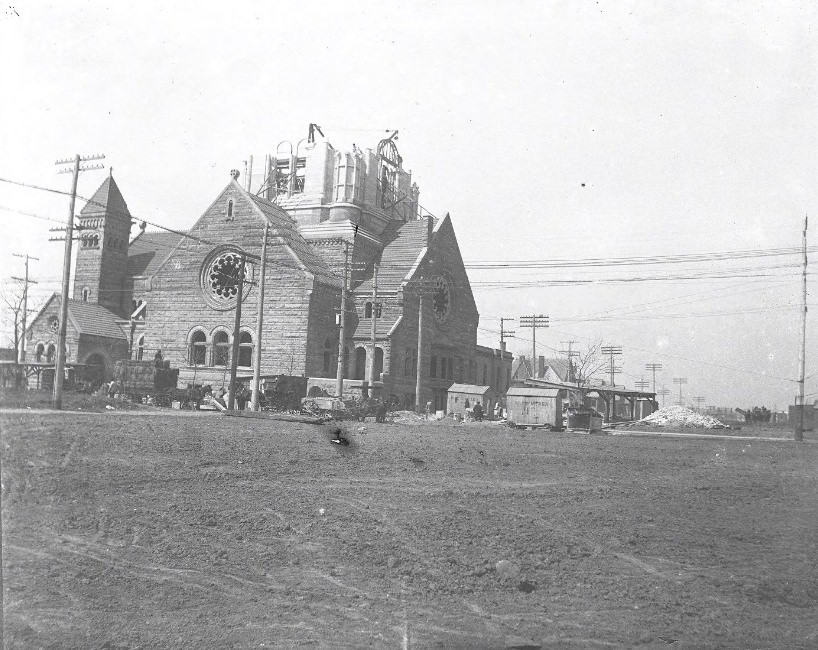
680 416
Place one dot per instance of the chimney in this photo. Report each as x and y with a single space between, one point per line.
234 174
540 367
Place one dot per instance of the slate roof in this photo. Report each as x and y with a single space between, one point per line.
403 242
287 228
148 251
107 199
94 320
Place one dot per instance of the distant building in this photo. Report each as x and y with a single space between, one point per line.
553 370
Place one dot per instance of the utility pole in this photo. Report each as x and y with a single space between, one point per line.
376 312
59 366
421 287
505 333
534 322
339 377
681 381
663 392
21 353
699 401
642 384
612 351
259 321
802 353
653 367
234 360
570 353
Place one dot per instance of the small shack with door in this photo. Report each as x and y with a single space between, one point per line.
462 398
530 406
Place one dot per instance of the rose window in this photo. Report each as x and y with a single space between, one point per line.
220 278
441 300
223 276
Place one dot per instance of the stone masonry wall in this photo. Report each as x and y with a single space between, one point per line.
176 306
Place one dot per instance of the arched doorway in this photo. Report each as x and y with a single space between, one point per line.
95 369
360 363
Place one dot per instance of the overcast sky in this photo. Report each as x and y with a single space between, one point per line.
548 131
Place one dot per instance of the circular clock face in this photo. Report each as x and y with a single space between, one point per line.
54 323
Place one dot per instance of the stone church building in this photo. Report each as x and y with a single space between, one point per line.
332 217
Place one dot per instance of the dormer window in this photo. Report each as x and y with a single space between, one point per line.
230 210
86 293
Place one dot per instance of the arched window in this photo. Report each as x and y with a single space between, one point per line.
230 210
86 293
38 354
246 350
221 349
140 348
330 357
198 349
95 241
410 362
49 355
360 363
368 309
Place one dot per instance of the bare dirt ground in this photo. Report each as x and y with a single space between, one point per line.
121 531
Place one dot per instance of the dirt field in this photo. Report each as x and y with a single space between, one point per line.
200 531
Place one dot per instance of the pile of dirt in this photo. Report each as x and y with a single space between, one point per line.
680 416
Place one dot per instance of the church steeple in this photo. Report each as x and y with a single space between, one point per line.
102 258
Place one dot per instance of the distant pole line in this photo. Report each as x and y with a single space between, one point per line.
802 352
570 353
681 381
21 352
534 322
663 392
612 351
653 367
505 333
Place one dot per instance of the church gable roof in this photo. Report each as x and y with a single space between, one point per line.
147 252
86 317
107 200
94 320
284 226
404 241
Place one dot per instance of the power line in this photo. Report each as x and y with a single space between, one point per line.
639 261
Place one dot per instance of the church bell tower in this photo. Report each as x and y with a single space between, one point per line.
102 256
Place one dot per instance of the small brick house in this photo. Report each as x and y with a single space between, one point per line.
331 217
